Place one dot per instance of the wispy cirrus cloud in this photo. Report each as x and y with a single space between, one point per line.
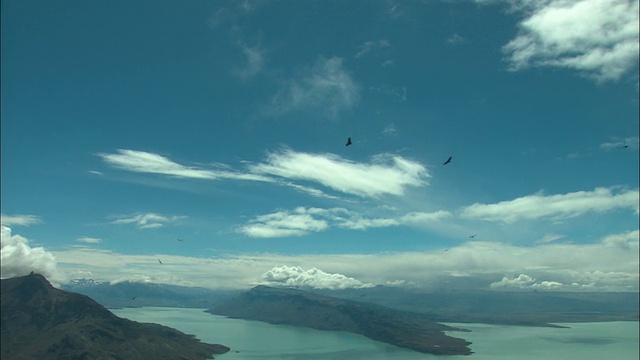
386 174
558 206
616 143
599 38
146 220
146 162
326 88
302 221
19 220
283 224
89 240
368 46
254 64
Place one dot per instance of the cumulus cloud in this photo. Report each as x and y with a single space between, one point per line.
146 221
19 259
326 88
558 206
19 220
596 37
146 162
313 278
385 175
303 221
610 264
524 281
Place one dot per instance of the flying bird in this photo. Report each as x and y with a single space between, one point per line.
160 261
180 240
448 160
348 142
133 298
472 236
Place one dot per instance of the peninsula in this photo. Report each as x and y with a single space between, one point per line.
305 309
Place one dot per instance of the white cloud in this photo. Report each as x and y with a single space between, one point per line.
283 224
19 220
89 240
521 281
596 37
254 62
385 175
549 238
146 221
628 240
524 281
145 162
455 39
630 142
19 259
326 88
313 278
559 206
390 130
371 45
600 266
303 221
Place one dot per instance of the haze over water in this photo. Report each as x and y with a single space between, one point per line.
257 340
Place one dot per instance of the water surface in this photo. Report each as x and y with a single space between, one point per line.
250 340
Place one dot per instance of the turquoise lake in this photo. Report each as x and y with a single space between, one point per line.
256 340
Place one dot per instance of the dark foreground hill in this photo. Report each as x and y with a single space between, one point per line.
301 308
41 322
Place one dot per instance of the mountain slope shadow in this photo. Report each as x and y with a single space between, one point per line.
42 322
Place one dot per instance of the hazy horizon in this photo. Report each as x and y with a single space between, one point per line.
204 143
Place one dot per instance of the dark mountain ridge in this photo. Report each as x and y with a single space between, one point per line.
301 308
42 322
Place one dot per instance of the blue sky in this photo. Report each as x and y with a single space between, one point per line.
129 125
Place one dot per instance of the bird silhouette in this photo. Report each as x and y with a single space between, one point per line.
133 298
180 240
348 142
159 261
472 236
448 160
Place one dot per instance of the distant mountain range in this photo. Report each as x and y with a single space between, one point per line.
529 308
131 294
535 308
41 322
301 308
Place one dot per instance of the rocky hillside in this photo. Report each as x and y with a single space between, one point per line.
41 322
